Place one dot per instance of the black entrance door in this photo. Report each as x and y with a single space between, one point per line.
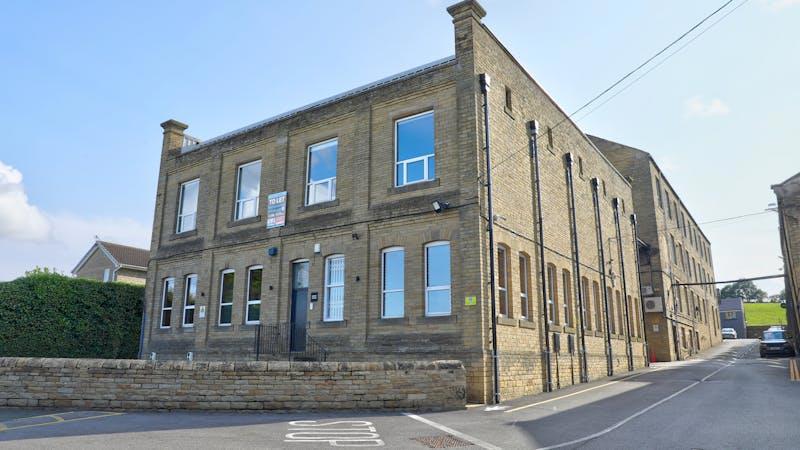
299 313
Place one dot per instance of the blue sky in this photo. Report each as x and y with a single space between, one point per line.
86 84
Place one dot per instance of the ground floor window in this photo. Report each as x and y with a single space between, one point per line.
189 299
167 297
334 288
393 273
437 279
254 276
226 297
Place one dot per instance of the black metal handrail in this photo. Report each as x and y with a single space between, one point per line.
287 340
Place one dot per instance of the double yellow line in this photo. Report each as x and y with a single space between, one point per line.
794 370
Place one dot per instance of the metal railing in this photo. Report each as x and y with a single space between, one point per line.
189 140
287 341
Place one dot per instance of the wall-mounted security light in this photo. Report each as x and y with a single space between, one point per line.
439 206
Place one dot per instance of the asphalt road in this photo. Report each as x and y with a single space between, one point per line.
728 398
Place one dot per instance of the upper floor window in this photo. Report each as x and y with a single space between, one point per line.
226 297
253 314
189 299
187 206
659 194
392 260
414 149
167 297
334 288
502 281
437 279
598 306
612 323
586 311
321 183
248 185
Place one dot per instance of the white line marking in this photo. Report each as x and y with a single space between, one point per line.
635 415
459 434
582 391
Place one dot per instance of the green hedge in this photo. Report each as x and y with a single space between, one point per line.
50 315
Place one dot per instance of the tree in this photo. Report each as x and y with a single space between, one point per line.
744 289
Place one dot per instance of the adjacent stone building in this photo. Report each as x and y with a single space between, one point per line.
788 194
681 312
359 223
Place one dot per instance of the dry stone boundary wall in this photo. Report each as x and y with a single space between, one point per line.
273 385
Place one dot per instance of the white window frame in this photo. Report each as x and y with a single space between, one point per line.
181 216
221 291
107 275
552 273
331 182
385 291
566 279
237 215
429 289
327 317
249 302
524 307
502 288
163 300
406 162
186 298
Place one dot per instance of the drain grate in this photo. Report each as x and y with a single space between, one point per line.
442 441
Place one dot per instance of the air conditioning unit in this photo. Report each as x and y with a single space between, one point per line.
653 304
647 290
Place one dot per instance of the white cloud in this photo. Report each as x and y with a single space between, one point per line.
777 5
697 107
18 218
30 237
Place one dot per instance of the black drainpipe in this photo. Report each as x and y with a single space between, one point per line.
577 269
624 284
533 128
485 82
601 255
634 225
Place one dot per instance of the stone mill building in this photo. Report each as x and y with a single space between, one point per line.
356 229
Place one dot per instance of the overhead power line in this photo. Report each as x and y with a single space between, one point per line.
631 73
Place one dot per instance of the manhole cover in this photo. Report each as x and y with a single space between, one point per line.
442 441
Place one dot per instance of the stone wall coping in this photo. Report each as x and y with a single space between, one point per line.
246 366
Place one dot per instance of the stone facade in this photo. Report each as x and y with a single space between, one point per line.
370 214
275 385
674 252
788 195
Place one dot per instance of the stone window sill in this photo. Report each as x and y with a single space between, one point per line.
318 206
183 235
222 328
437 319
509 112
415 187
393 321
569 330
332 324
524 323
507 321
246 221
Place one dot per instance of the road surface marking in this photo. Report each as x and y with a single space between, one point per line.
8 426
635 415
336 433
455 433
582 391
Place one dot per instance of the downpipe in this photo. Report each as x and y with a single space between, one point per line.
570 161
533 130
602 267
485 81
634 225
624 283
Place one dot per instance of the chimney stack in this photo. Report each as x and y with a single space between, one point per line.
173 135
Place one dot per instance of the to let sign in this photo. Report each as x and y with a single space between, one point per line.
276 210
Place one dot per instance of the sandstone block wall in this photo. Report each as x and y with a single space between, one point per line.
274 385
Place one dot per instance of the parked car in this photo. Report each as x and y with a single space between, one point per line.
774 342
729 333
